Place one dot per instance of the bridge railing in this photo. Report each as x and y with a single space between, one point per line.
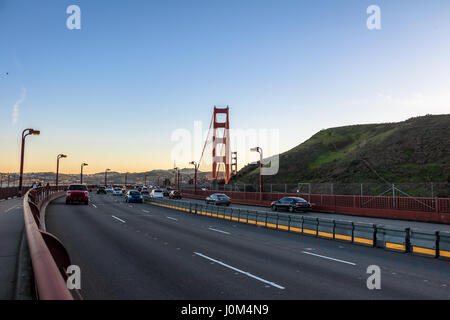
9 192
407 208
48 256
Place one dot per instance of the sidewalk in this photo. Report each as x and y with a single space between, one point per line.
13 284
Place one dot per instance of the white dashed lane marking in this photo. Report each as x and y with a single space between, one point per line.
118 219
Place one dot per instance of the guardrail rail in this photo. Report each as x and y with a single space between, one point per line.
48 256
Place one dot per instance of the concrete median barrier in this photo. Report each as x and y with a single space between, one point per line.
261 219
272 220
252 217
444 245
310 226
227 213
392 238
243 215
364 234
296 224
325 228
283 222
235 214
343 230
424 243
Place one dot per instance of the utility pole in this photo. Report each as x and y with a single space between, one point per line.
259 150
81 174
195 175
25 133
57 166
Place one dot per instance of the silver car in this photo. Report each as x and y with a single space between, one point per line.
218 199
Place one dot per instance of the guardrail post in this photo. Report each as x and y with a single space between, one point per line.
436 204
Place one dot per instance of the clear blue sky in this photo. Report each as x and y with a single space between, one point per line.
138 70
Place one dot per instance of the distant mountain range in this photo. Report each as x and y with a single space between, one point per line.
153 177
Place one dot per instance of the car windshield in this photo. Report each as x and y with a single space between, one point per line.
135 193
78 188
156 191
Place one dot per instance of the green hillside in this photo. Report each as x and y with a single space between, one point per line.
416 150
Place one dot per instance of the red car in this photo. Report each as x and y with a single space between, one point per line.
77 193
174 194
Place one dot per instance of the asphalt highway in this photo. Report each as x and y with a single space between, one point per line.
141 251
11 231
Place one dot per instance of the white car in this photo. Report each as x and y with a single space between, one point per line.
109 190
117 192
157 193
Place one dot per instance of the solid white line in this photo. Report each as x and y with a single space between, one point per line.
118 219
219 231
94 205
146 211
172 218
12 208
238 270
325 257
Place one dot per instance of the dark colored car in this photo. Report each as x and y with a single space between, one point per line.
77 193
101 190
218 199
165 192
291 204
174 194
145 193
134 196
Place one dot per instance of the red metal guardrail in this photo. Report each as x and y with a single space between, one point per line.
405 208
48 256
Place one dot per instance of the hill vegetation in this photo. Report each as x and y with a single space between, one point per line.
415 150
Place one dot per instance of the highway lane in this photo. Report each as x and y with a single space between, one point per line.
392 222
11 231
139 251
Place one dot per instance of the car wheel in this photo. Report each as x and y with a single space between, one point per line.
86 203
67 202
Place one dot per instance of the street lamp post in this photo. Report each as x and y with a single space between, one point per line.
145 180
195 175
259 150
81 175
25 133
57 166
126 178
176 176
106 177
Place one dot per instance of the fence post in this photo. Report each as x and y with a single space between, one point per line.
393 195
436 201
